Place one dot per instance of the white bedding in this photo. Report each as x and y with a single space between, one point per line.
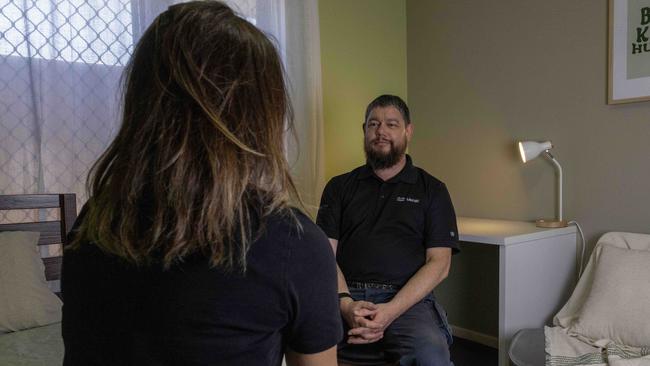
42 346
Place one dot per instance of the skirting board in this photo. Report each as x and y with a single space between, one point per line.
470 335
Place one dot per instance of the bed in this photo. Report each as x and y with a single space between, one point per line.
38 345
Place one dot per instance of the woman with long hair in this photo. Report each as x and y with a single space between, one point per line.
189 251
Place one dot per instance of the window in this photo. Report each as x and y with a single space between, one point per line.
91 32
60 66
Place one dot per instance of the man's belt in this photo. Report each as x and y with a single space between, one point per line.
365 285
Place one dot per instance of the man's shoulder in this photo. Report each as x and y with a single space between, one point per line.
427 179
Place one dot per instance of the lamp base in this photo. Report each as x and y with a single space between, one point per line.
551 223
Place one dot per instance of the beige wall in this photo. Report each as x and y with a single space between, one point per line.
363 53
483 74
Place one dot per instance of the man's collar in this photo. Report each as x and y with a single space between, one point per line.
366 172
408 174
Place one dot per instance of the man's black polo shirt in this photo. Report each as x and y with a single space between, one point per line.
384 228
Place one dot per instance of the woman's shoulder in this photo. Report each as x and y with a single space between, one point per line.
298 227
300 234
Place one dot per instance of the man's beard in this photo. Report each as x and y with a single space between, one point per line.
384 160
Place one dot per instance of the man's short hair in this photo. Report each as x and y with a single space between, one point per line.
388 100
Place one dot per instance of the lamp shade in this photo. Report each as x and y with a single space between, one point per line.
529 150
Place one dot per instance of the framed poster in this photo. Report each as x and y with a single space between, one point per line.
629 51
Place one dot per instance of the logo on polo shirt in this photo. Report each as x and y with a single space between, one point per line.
407 199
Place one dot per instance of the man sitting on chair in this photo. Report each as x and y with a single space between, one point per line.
393 229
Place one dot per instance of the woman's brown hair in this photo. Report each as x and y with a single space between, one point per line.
198 164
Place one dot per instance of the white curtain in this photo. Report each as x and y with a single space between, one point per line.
60 66
304 69
294 26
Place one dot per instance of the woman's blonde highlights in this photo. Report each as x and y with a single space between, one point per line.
198 164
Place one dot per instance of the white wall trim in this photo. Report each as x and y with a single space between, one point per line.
470 335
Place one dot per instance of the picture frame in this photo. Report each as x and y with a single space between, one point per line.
629 51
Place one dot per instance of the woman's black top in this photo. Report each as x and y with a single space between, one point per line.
115 313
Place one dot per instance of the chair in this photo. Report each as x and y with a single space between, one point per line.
372 355
369 355
527 348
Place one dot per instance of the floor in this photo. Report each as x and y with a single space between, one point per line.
468 353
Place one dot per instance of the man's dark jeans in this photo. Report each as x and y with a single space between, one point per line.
421 336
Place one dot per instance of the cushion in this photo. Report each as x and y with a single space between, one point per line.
25 299
571 310
618 305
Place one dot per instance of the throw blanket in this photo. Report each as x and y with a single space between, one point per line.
563 349
566 349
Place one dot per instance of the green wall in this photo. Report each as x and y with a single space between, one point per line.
363 55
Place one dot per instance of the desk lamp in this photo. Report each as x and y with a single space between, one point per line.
529 150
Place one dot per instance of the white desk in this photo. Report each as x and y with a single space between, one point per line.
537 270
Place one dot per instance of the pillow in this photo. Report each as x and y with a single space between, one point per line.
25 299
618 305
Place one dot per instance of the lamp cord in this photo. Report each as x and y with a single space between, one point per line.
582 251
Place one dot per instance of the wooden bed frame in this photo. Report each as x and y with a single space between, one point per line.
52 232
